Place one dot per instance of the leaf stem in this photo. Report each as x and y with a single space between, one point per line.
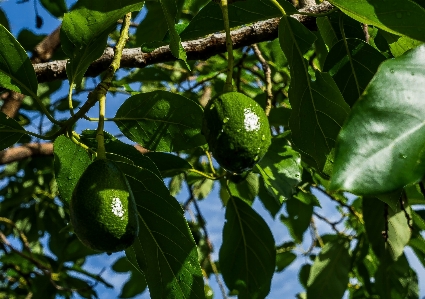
282 10
229 46
317 15
206 175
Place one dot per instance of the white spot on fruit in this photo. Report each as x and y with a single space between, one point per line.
251 121
117 208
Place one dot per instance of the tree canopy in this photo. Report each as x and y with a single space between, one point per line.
340 82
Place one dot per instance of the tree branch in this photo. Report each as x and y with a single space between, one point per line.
200 49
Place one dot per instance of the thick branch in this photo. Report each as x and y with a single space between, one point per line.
19 153
200 49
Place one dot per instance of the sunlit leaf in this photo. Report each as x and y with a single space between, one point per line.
161 121
380 147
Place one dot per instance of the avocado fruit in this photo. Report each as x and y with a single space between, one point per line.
103 211
237 131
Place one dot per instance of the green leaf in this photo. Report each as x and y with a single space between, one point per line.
318 109
271 203
400 44
327 31
161 121
398 230
7 136
248 255
154 26
390 16
164 250
329 273
380 147
246 190
281 169
56 7
418 246
352 70
284 259
392 199
168 164
85 30
299 218
210 18
171 11
119 151
397 280
70 162
136 284
16 70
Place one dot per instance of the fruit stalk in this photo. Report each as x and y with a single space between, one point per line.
229 46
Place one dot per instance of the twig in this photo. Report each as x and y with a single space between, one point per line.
316 232
366 32
332 224
350 208
403 201
267 73
385 231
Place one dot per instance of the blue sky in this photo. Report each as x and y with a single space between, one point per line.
284 285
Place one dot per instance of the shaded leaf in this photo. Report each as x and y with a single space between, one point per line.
352 70
284 259
161 121
400 44
246 190
168 164
329 273
7 136
136 284
318 109
16 70
56 7
271 203
71 160
299 218
154 26
380 147
398 230
247 256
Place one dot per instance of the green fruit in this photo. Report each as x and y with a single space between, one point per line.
237 131
102 209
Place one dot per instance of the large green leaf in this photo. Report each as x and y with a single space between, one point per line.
7 136
164 250
329 273
70 162
246 190
352 63
299 218
380 147
398 229
318 109
210 18
248 255
16 70
281 169
161 121
85 30
390 15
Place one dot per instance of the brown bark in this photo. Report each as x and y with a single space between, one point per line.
19 153
200 49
